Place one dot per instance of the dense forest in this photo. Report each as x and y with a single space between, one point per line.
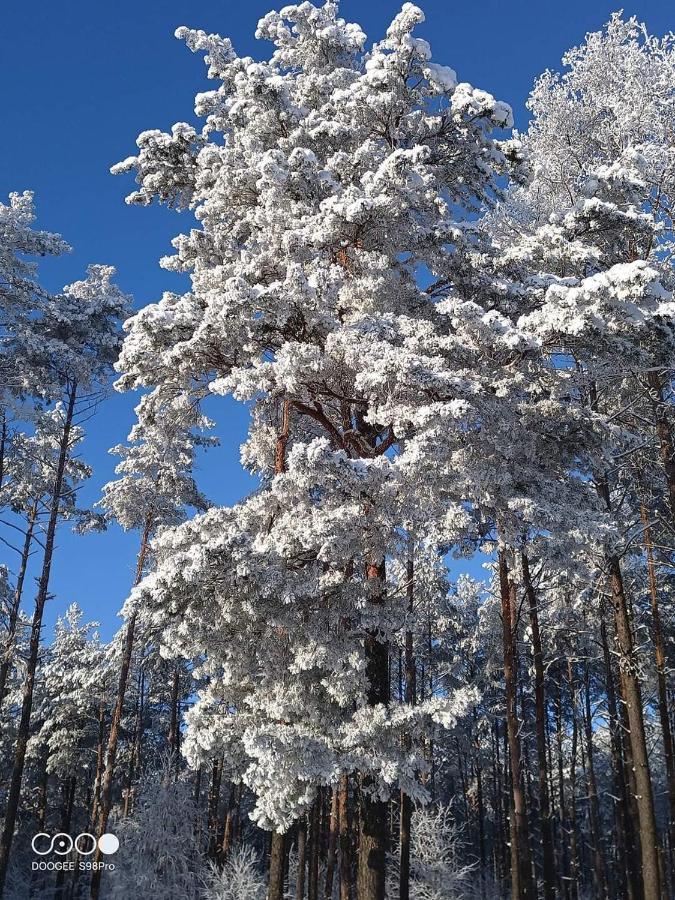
456 344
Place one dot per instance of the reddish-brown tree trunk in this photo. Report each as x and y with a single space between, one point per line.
333 829
599 868
649 840
405 832
521 867
540 721
370 883
275 890
118 711
661 683
344 840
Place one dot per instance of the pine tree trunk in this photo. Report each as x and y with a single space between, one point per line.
644 795
172 737
333 830
370 884
599 868
628 878
301 870
573 828
275 890
228 825
13 617
344 840
100 747
662 687
214 800
118 711
665 438
66 818
521 867
314 850
540 714
410 699
23 731
135 755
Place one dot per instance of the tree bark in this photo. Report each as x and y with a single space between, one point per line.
13 617
333 829
301 870
540 721
23 731
314 849
649 841
344 840
275 889
521 866
410 699
599 868
370 884
661 683
628 878
118 711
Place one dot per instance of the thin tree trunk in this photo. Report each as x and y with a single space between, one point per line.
214 800
521 867
370 884
333 829
628 878
100 745
172 737
344 840
16 603
662 687
574 845
665 438
228 824
135 756
23 731
649 840
410 699
599 868
118 711
314 850
301 870
540 719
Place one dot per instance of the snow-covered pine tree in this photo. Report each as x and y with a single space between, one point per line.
326 183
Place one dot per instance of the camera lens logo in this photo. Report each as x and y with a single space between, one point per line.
85 844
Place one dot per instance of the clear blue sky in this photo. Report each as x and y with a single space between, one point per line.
81 79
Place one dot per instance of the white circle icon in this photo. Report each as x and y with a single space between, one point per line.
108 844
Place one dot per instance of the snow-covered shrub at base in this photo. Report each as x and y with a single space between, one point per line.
160 854
240 878
437 854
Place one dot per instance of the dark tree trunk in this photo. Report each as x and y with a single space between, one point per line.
344 840
13 616
599 868
522 887
314 850
23 731
275 890
301 870
627 876
409 672
649 840
372 811
540 718
661 683
118 711
333 828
